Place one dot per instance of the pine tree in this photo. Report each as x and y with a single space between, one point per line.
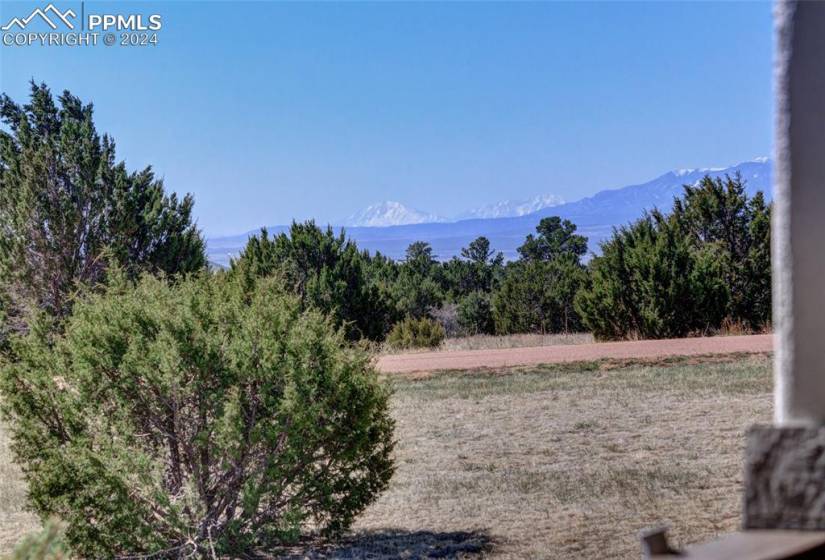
718 211
651 282
326 271
68 210
556 238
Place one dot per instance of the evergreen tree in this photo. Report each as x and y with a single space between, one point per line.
476 271
757 270
475 314
417 290
718 211
69 210
537 292
326 271
651 282
556 238
538 295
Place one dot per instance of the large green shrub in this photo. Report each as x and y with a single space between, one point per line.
326 271
719 212
537 296
206 415
651 282
416 333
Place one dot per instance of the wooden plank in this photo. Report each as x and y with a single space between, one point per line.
768 544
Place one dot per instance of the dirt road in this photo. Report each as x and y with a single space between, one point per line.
645 349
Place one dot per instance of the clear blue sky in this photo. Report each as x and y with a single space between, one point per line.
268 112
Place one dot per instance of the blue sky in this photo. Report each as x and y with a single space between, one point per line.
269 111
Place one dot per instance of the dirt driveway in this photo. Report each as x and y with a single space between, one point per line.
642 349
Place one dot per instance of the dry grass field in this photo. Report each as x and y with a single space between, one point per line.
566 461
492 342
487 342
14 520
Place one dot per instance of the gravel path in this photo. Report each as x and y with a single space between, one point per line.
471 359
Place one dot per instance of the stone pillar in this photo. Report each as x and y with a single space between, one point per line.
799 214
785 463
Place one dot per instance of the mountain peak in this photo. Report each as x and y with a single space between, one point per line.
513 208
390 213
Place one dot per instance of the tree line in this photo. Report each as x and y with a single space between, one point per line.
702 267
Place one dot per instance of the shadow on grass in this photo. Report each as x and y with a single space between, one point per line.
391 543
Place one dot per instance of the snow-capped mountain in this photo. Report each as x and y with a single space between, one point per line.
512 208
390 227
390 213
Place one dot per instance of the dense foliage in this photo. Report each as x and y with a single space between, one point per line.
650 283
668 275
537 296
68 209
475 313
537 292
718 213
700 268
205 416
327 273
417 290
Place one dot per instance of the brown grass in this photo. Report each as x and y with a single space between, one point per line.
565 461
15 521
572 461
490 342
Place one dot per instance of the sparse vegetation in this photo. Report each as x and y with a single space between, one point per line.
48 544
486 342
416 333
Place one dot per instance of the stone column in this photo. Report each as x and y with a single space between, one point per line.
785 463
799 214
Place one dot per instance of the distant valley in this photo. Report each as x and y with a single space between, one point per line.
389 227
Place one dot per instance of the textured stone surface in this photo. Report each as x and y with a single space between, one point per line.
785 478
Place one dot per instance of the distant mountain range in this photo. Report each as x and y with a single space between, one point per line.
391 213
387 228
